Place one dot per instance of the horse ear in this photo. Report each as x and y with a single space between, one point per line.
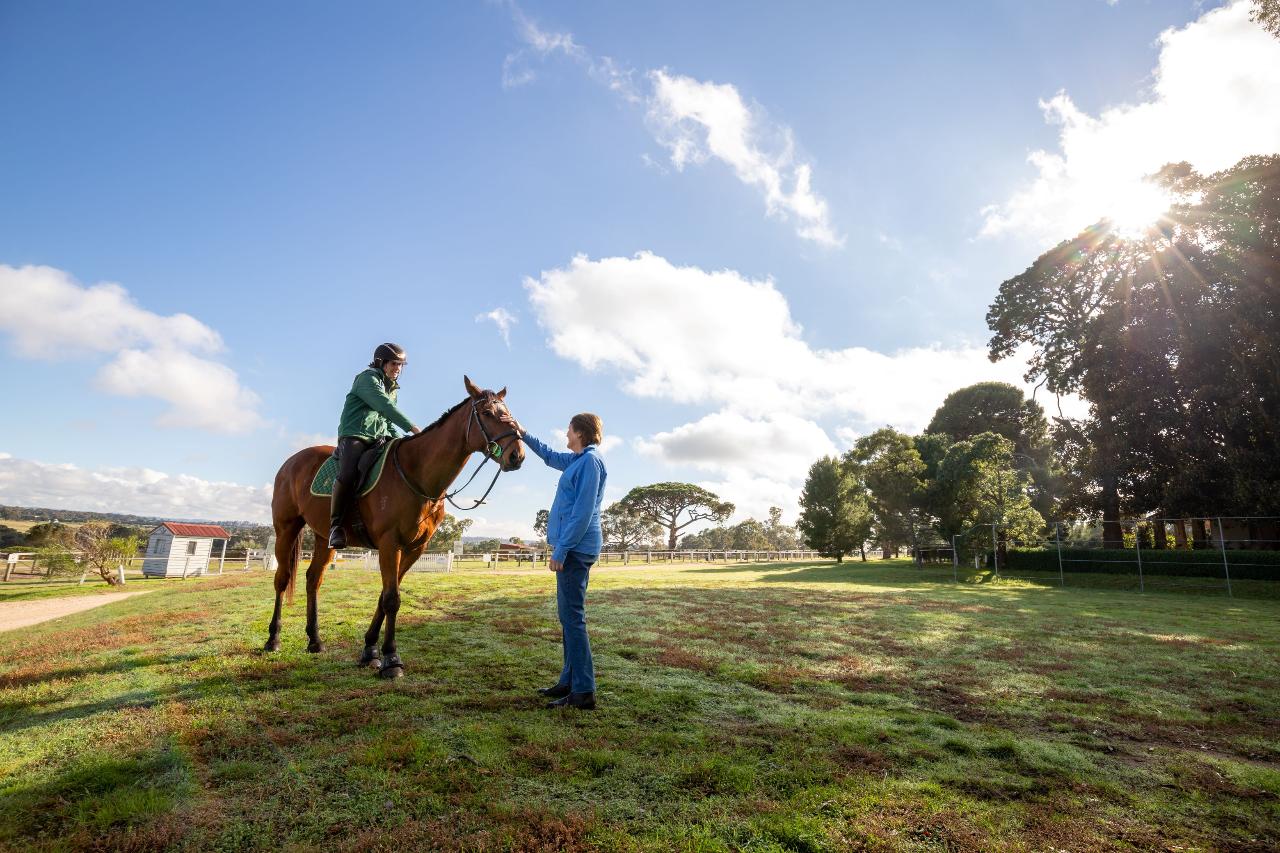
471 386
502 395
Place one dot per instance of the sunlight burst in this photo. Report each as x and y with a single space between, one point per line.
1132 210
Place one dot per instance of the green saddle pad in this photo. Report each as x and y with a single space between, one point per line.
322 483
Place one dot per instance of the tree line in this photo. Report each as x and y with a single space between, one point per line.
1173 340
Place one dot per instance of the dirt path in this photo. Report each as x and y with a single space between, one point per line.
20 614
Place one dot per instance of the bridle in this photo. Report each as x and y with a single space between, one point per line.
493 451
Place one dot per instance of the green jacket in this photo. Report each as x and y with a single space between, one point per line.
370 407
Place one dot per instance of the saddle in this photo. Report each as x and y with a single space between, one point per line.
372 463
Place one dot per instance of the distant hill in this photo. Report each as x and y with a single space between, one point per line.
40 514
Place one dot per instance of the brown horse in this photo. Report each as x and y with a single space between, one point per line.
400 514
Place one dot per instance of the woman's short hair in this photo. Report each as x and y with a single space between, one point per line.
588 426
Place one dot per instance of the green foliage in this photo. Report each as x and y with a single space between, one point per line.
51 533
622 529
675 506
1001 408
56 561
1174 339
103 553
978 483
888 464
1203 563
835 515
450 531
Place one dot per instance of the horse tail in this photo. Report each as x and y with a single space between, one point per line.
293 569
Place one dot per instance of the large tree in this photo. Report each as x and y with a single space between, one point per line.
979 484
1002 408
1174 339
675 506
835 516
891 468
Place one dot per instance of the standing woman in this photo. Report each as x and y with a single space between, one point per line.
573 532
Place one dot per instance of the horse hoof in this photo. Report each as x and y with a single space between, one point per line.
395 670
315 646
273 645
369 658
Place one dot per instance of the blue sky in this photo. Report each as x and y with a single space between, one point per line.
788 220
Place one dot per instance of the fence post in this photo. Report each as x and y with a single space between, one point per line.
1057 540
1222 543
995 552
1137 547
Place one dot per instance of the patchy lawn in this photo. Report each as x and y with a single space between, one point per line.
762 707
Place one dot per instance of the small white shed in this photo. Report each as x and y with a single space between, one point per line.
182 550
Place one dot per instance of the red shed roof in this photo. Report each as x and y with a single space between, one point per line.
212 531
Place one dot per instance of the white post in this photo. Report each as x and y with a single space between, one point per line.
186 562
120 571
222 558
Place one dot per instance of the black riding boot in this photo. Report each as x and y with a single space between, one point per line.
338 538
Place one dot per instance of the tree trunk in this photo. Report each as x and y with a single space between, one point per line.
1198 536
1161 533
839 556
1180 534
671 538
1112 535
862 549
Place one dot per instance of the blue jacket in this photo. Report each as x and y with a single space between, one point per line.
574 521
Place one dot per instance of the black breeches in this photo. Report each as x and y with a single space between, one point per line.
350 450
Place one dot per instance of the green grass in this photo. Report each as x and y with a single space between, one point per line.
743 707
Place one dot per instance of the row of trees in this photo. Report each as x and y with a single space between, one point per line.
984 458
656 515
1173 338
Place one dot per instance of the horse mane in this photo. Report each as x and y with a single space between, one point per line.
437 422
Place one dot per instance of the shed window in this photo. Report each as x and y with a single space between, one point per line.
191 548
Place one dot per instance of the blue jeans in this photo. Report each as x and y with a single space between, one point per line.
579 674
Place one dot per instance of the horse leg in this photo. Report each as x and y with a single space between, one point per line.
389 562
287 533
315 576
370 657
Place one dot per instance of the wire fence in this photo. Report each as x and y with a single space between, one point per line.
1213 553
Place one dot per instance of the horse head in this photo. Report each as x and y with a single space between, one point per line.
496 435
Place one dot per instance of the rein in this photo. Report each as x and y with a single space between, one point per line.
492 452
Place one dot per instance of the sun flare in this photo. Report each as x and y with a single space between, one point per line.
1133 210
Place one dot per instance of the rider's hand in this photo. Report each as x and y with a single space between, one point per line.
555 565
414 430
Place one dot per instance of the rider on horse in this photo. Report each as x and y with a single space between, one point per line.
367 415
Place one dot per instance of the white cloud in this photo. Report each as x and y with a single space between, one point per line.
49 315
140 491
733 347
609 442
696 120
503 319
1215 99
734 343
775 446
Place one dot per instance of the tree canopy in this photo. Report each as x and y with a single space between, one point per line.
675 506
1174 340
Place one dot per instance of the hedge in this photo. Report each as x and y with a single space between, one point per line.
1205 563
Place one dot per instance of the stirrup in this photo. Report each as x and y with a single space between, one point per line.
337 538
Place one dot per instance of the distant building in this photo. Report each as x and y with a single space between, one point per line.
182 550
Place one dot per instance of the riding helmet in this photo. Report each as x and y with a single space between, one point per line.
389 352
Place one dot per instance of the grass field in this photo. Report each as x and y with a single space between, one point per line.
759 707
